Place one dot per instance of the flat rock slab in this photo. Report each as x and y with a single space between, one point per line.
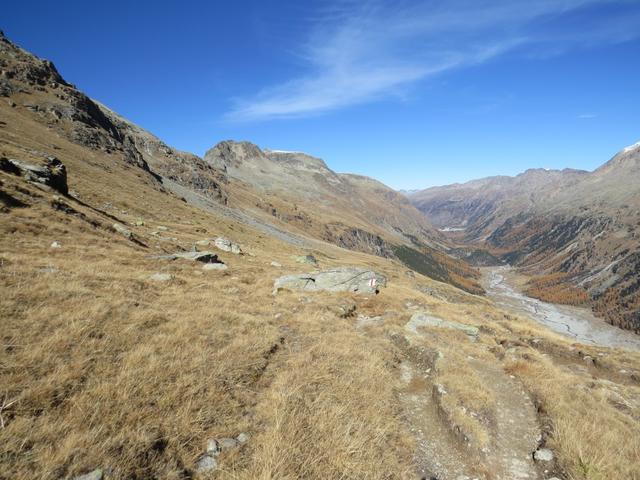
341 279
203 257
423 320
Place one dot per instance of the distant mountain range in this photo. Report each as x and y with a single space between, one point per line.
584 225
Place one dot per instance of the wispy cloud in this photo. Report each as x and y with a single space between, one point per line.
358 51
587 116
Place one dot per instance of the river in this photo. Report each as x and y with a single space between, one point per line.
578 323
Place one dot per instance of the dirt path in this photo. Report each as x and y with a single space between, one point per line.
517 430
440 453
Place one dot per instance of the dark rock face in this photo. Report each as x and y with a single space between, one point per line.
357 239
53 174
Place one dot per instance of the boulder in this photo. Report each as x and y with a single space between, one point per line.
227 245
423 320
52 174
203 257
340 279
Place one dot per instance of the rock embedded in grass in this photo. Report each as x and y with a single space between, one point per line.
421 319
207 463
340 279
96 474
214 266
308 259
227 245
161 277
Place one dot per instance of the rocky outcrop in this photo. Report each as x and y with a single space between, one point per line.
227 245
340 279
52 174
353 238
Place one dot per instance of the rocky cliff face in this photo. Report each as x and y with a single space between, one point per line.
584 224
35 85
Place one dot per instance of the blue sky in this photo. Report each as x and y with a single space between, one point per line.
412 93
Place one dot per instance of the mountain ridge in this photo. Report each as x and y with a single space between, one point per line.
569 222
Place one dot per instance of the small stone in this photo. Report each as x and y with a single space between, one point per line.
243 437
161 277
56 245
162 228
214 266
212 446
543 455
139 223
203 243
275 264
94 475
206 463
227 443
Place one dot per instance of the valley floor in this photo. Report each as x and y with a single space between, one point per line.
501 284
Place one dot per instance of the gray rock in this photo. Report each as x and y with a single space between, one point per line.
55 245
204 257
122 230
214 266
161 277
243 437
213 447
227 245
203 243
53 174
96 474
423 320
227 443
206 463
275 264
308 259
543 455
340 279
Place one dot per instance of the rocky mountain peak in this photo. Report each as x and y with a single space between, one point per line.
232 153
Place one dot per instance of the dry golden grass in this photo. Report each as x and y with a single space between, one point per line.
596 423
